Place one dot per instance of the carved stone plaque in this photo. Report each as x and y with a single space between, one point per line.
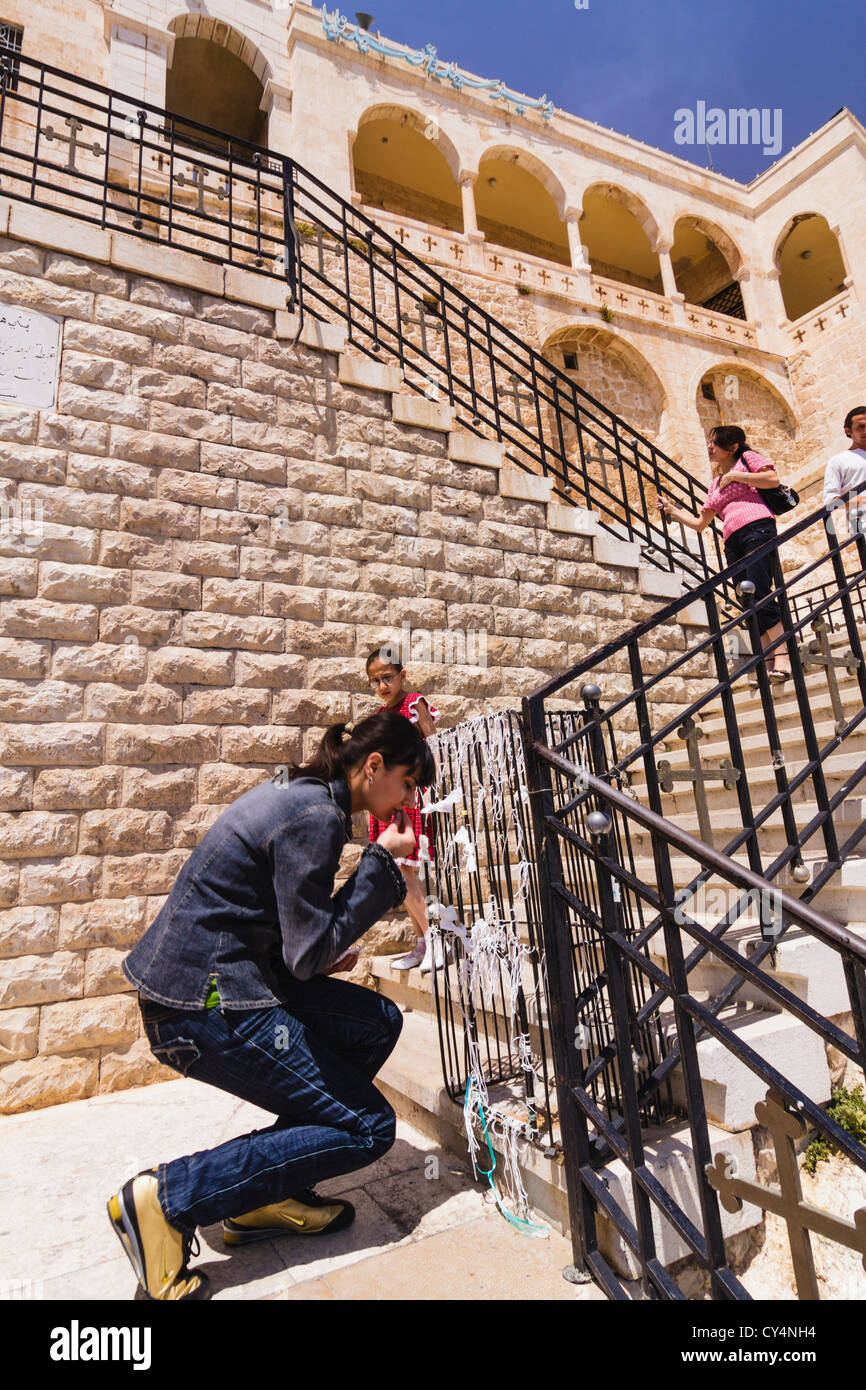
29 357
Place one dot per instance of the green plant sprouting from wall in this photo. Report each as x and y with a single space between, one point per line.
848 1109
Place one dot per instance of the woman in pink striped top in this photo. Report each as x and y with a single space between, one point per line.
739 476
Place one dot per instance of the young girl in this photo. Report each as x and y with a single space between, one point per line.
234 990
388 681
738 477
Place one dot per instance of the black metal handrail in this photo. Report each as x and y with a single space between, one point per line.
580 1117
601 901
129 166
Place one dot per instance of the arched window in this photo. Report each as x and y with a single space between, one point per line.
217 78
736 395
809 260
518 204
705 263
405 164
618 234
620 378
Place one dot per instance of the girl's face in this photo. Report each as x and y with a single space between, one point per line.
720 458
386 789
387 681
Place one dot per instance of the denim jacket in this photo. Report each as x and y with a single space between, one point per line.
254 900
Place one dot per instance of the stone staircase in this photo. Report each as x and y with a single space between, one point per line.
412 1078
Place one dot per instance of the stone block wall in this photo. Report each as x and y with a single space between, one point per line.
228 524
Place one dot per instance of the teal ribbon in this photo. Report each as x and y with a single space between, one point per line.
336 28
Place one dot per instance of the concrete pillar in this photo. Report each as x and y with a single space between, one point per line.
579 258
277 102
669 280
669 283
470 217
750 301
139 55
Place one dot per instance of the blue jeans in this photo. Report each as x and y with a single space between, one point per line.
311 1063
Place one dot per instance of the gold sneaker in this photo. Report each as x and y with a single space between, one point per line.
157 1251
305 1214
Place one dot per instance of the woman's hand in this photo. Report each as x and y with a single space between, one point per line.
726 479
347 961
399 837
663 505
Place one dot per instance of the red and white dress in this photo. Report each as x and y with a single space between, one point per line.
408 709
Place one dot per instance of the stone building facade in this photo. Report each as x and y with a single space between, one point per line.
230 521
623 249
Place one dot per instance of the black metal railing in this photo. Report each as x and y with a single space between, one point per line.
130 167
632 886
651 1210
490 990
784 818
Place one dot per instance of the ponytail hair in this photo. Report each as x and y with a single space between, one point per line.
730 438
344 746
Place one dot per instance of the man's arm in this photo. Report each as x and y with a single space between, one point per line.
316 928
832 483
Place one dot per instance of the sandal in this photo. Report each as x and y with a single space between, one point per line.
778 677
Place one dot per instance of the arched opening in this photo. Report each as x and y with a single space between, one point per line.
217 79
705 264
809 260
406 165
618 234
518 204
616 375
730 394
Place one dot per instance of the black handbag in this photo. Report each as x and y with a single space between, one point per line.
779 499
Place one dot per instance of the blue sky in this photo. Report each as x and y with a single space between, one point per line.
630 64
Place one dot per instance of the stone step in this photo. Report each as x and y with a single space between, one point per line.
800 962
836 769
732 1090
753 737
726 821
411 1081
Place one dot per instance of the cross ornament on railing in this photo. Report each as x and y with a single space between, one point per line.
816 655
787 1201
425 320
698 775
603 459
318 237
72 140
515 395
199 174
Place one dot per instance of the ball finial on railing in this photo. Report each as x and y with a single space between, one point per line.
598 823
746 590
590 693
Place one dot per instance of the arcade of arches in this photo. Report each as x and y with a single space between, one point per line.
616 243
399 169
209 84
733 396
516 211
811 269
704 273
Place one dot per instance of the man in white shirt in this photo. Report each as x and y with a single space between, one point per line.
845 475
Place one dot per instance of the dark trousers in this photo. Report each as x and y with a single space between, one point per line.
737 547
311 1063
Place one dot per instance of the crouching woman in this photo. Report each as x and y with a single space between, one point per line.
234 991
